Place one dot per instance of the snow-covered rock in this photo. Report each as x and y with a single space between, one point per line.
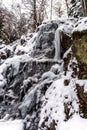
36 88
81 25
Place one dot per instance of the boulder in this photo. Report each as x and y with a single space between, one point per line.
80 51
80 46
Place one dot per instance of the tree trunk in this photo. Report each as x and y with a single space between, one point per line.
67 7
51 9
84 5
35 14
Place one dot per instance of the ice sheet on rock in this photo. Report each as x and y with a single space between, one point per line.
14 62
2 80
48 75
10 94
29 101
14 59
12 125
55 68
65 25
33 96
28 46
16 48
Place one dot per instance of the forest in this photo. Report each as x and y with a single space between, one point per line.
19 18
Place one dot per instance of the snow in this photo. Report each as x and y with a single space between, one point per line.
81 25
11 125
82 83
56 69
56 96
67 52
15 59
48 75
59 94
67 27
16 48
75 123
28 45
14 62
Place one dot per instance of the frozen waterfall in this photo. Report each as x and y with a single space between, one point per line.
57 45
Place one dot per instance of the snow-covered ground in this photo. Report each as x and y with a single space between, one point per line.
12 125
75 123
56 96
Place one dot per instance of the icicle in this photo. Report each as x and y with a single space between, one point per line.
57 45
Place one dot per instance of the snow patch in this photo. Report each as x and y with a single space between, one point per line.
55 97
11 125
81 25
75 123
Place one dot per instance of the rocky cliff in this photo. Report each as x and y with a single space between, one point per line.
35 87
80 46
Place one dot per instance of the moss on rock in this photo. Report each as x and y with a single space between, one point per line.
80 50
80 44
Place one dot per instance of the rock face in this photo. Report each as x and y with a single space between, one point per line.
36 88
82 100
14 81
66 42
45 41
45 46
80 47
80 44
